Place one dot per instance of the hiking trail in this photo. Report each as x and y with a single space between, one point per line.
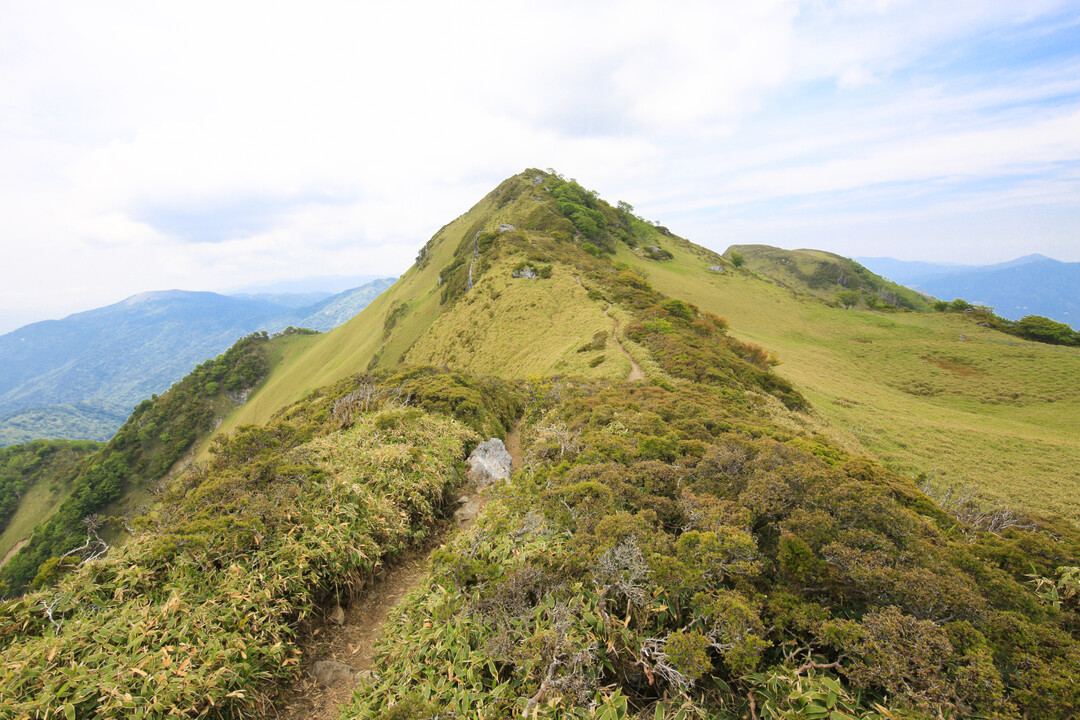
353 642
636 374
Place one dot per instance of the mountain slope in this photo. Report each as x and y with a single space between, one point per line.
80 376
120 477
386 330
690 546
927 393
824 275
988 411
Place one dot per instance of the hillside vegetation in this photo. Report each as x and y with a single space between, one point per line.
34 476
80 376
826 276
701 544
121 476
929 394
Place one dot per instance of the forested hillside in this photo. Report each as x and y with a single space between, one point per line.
158 433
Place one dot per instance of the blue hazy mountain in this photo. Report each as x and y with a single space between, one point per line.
1029 285
80 376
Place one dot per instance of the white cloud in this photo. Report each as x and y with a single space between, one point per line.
343 134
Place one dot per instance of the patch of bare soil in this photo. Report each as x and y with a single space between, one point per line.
957 368
11 553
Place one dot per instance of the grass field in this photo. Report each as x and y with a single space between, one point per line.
923 392
37 505
515 327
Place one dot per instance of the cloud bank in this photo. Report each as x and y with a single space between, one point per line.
208 145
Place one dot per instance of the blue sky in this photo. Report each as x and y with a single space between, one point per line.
209 146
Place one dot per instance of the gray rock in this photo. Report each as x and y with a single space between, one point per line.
465 514
463 499
507 228
330 672
716 268
526 272
537 179
489 463
337 615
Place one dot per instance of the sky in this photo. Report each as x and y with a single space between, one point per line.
220 145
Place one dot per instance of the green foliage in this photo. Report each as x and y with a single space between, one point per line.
736 568
737 259
199 610
55 462
392 317
1030 327
1065 590
1041 329
157 434
601 224
654 252
848 298
599 342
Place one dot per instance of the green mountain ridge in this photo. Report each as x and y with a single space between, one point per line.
79 377
825 275
708 542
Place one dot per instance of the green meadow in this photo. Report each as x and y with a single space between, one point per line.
924 392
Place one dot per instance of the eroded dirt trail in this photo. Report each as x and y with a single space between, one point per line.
353 643
636 373
11 553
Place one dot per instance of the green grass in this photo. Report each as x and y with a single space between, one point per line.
823 274
988 410
515 327
37 505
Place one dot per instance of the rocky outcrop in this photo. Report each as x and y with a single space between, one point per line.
330 672
475 254
489 463
468 507
526 272
507 228
716 268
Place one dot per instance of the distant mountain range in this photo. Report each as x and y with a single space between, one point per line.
1030 285
80 376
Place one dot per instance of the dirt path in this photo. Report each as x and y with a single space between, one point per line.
11 553
353 643
636 373
513 445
